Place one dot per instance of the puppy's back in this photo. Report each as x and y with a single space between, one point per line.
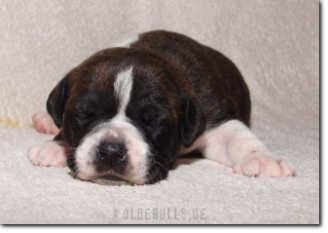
216 81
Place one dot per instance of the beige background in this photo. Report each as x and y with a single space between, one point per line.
274 43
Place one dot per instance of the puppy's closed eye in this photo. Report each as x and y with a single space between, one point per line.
153 118
83 115
155 123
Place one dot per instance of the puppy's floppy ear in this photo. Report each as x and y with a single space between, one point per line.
194 121
56 101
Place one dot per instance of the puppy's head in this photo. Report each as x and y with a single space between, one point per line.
124 114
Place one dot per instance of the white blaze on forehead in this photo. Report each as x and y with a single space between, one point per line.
126 43
122 88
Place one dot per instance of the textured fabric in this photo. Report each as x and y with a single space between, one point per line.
275 44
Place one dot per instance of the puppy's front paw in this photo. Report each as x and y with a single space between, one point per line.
43 123
264 165
51 154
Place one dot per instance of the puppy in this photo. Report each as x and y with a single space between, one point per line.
125 113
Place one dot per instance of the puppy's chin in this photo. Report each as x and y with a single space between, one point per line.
111 179
108 179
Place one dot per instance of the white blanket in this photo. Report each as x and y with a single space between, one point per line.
275 44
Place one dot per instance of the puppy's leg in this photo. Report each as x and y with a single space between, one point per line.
50 154
43 123
234 145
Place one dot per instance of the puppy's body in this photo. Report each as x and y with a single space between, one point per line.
217 83
128 111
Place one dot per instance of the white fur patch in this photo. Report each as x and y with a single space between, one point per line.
51 154
119 128
126 43
122 87
234 145
43 123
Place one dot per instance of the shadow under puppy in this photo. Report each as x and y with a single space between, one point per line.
125 113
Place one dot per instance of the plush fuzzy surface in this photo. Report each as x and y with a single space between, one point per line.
275 44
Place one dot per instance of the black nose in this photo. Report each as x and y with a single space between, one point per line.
111 154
